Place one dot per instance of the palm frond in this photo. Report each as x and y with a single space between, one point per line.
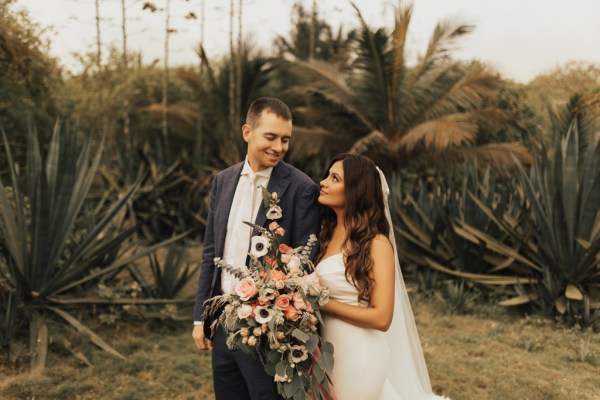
499 154
326 80
467 93
376 146
490 119
441 133
316 142
403 18
416 96
442 43
374 59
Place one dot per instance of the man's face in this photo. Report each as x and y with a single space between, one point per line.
268 140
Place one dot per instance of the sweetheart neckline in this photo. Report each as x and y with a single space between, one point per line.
331 256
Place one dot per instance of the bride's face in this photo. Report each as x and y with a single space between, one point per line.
332 192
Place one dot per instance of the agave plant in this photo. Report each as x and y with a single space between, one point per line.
170 276
48 260
395 112
170 199
560 199
434 230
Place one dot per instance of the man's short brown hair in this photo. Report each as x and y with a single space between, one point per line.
270 104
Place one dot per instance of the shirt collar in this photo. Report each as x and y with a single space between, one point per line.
247 170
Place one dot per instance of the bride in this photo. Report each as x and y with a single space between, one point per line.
368 319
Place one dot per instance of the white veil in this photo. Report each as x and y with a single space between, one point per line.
408 371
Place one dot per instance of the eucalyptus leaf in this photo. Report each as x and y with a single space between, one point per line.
302 336
281 368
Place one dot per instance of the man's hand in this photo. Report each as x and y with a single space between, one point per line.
201 342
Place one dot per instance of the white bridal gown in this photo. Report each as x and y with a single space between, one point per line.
370 364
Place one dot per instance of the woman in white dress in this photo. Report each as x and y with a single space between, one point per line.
368 319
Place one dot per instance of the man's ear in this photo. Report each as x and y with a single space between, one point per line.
246 130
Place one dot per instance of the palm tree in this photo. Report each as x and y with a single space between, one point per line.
328 44
395 113
221 143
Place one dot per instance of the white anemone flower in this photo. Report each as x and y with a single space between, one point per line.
298 353
263 314
274 212
259 246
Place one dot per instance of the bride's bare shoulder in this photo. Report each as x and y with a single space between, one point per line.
381 239
381 245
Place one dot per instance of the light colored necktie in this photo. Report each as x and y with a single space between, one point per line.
249 214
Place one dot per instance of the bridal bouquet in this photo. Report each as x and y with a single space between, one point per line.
274 310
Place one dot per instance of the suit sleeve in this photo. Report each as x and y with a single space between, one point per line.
207 266
306 217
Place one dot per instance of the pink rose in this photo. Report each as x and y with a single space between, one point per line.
280 231
282 302
299 302
291 313
246 288
273 226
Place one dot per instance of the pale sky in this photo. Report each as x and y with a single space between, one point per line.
520 38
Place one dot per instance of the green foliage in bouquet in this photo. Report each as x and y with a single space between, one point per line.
274 310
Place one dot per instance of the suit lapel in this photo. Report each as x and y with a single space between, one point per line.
277 183
224 207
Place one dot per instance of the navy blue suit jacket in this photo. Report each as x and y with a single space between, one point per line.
298 194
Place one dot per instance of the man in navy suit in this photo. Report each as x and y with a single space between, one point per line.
236 197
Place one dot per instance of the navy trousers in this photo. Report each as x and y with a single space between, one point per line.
238 375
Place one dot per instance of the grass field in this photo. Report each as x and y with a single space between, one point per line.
488 354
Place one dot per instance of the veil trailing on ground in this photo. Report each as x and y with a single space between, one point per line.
408 374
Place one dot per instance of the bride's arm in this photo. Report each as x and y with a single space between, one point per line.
379 313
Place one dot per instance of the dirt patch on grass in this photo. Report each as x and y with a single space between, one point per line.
489 354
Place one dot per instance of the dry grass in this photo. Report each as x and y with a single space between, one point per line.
489 354
495 355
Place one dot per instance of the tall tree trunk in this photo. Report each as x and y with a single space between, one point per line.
202 19
199 151
125 74
165 86
98 39
103 117
312 38
238 92
231 70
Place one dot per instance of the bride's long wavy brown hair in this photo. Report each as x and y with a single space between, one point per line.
364 218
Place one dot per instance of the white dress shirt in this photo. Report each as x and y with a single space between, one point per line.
245 206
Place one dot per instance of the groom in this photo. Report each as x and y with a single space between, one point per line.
236 197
